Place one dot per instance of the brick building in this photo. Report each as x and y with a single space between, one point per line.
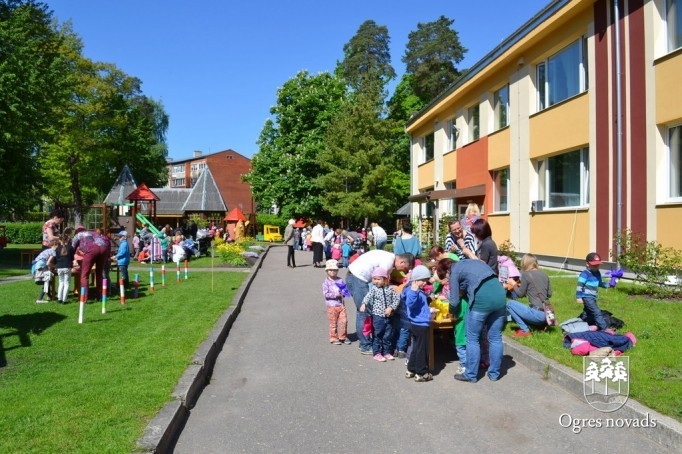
227 168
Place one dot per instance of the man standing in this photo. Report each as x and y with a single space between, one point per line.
457 233
290 241
360 275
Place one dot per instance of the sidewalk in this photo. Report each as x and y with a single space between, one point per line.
279 386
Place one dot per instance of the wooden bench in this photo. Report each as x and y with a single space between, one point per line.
28 257
437 325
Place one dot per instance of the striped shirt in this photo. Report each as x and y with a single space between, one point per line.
588 283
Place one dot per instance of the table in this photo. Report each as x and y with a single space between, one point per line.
28 256
437 325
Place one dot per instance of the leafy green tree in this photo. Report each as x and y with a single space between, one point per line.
34 81
285 169
432 52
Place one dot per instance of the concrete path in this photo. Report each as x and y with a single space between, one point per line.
278 386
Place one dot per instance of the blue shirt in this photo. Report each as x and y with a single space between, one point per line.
417 306
588 284
123 254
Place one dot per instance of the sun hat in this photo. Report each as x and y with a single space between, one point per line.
331 265
593 258
379 272
123 233
420 272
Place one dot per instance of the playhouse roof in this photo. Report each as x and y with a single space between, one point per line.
124 185
235 215
142 193
205 195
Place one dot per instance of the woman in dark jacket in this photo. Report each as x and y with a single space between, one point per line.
487 249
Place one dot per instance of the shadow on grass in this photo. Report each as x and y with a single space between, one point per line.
22 326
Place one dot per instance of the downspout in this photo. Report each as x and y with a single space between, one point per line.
619 131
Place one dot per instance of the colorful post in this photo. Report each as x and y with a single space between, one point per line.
105 293
186 269
177 272
136 292
81 309
151 279
122 286
163 275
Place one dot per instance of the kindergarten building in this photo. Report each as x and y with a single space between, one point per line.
566 133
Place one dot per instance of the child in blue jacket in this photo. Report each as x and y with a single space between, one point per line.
589 282
419 313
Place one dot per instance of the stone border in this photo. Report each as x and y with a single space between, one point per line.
163 430
668 431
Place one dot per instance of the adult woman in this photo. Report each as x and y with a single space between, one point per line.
487 249
51 228
487 304
406 242
535 284
317 242
290 241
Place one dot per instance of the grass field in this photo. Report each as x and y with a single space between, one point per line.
655 366
93 387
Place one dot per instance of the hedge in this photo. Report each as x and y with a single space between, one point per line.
24 232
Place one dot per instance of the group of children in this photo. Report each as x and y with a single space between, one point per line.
384 305
57 259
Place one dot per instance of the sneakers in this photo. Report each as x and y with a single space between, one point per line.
389 357
335 342
421 378
42 301
462 377
365 352
519 333
409 374
402 354
380 358
461 370
346 341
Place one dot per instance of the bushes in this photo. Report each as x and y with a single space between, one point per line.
24 233
234 253
657 268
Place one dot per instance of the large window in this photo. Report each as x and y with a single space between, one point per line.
428 147
673 20
564 180
562 75
501 106
675 154
501 186
473 123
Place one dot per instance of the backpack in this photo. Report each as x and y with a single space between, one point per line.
612 321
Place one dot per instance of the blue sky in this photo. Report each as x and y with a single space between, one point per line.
216 65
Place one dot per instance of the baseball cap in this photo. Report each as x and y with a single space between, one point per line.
379 272
331 265
593 258
420 272
123 233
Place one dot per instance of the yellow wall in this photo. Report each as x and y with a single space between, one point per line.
668 222
499 149
561 127
553 233
450 167
500 227
668 93
425 175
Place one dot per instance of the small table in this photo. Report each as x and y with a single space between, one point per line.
437 325
28 256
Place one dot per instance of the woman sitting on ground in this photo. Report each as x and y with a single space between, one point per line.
535 284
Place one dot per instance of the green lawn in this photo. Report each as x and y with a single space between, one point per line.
93 387
655 366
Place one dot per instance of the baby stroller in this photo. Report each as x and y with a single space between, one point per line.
204 240
191 248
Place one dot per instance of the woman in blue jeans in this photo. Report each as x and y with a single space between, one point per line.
487 307
534 284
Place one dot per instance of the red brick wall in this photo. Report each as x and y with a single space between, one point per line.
227 168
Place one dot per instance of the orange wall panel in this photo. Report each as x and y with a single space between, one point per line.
500 227
499 149
425 175
472 164
668 222
668 93
561 234
450 167
561 127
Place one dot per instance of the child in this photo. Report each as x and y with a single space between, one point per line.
419 314
122 257
381 301
136 245
345 252
337 253
589 282
41 269
178 250
64 263
334 289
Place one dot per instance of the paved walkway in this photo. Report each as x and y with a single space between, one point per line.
278 386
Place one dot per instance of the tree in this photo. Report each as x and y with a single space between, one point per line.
432 52
285 169
34 81
366 66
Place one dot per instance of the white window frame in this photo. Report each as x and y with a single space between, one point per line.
542 75
673 16
497 193
500 106
474 123
546 182
673 153
453 133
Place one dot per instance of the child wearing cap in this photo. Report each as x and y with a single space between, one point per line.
381 301
334 289
122 257
589 282
419 314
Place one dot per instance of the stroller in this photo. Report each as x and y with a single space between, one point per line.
191 248
204 239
